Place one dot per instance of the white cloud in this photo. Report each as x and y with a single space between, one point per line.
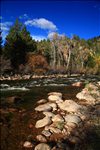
24 16
42 23
51 34
1 17
4 27
38 37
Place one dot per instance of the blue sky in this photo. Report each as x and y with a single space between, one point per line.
44 18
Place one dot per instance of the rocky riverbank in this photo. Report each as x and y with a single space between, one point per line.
26 77
64 124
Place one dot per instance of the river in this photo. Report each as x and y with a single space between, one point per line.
15 125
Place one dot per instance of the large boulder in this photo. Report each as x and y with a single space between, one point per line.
86 96
43 122
70 106
71 118
43 107
42 146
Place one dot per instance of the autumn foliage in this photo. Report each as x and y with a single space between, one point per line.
37 63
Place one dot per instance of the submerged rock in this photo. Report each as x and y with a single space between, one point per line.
43 122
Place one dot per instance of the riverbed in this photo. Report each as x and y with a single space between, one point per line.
17 120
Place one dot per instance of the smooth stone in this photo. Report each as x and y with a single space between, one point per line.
42 101
72 118
43 122
48 114
98 83
54 98
53 105
27 144
46 128
41 138
71 124
57 118
46 133
86 96
70 106
42 146
44 107
55 93
55 130
77 84
60 101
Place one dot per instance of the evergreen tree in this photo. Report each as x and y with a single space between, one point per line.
18 43
0 43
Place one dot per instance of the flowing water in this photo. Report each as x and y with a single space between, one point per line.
16 118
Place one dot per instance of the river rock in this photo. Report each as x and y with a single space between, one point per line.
57 118
91 86
98 83
41 138
54 130
43 107
54 98
55 93
53 105
70 106
71 124
46 133
77 84
86 96
42 101
13 99
48 114
43 122
27 144
72 118
42 146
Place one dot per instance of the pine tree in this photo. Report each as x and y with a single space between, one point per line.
18 43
